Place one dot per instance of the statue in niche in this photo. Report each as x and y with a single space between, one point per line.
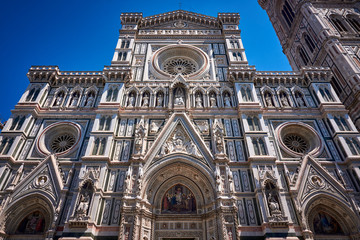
159 100
75 99
59 99
268 100
178 199
227 100
284 100
219 141
84 201
212 100
131 101
90 99
139 137
179 97
145 100
273 204
299 99
198 101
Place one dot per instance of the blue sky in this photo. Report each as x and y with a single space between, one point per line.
81 35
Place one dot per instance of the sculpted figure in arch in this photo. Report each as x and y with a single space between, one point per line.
227 100
146 100
198 101
284 100
179 97
74 99
212 100
90 99
131 101
160 99
59 99
273 204
268 100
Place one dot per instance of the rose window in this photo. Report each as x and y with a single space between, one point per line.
296 143
175 66
187 60
62 143
297 139
61 138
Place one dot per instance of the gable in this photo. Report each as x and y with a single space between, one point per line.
179 136
44 179
314 180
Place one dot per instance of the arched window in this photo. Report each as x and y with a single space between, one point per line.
337 22
288 13
112 93
33 94
5 146
354 22
120 56
99 146
259 146
353 145
304 57
309 42
122 44
105 123
341 123
127 44
254 124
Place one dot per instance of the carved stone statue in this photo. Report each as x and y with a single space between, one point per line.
284 100
131 101
90 100
139 137
179 97
268 100
83 205
74 99
212 100
59 99
145 100
160 100
227 101
198 101
299 100
273 204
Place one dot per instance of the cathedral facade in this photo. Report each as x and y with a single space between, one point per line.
179 138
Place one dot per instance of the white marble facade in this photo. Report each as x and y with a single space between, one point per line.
179 138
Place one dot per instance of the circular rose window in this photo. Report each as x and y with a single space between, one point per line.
172 60
298 139
59 138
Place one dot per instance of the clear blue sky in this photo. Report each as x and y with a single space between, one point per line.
81 35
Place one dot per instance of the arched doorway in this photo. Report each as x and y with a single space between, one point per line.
28 218
182 198
328 218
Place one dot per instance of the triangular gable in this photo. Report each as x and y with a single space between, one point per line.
179 135
44 178
314 179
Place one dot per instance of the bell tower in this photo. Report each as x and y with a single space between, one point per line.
322 34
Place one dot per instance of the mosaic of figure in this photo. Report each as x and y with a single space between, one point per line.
325 224
32 224
178 199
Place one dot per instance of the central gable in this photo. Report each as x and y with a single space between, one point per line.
179 136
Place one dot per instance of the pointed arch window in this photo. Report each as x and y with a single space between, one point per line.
325 93
288 13
353 145
246 94
112 93
309 42
254 123
259 146
105 123
33 94
99 146
354 22
338 23
17 123
5 145
304 57
341 123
